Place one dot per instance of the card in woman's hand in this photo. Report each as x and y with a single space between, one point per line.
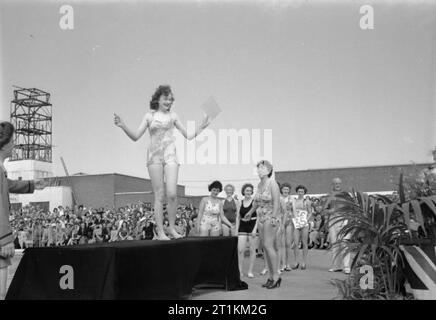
211 108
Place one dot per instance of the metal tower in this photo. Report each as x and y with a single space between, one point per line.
32 118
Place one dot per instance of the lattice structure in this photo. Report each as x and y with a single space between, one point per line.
31 115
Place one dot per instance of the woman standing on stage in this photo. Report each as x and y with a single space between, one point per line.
230 207
288 227
211 214
162 157
301 213
247 230
267 205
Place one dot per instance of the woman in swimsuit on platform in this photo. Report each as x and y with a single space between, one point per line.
267 206
230 207
162 157
211 214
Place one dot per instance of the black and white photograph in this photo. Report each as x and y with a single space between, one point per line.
205 151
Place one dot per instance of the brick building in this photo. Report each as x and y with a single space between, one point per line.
365 179
101 190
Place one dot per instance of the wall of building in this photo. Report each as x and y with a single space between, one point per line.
92 190
28 169
55 196
365 179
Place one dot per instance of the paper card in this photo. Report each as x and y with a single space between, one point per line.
211 108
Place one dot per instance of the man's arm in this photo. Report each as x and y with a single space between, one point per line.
21 186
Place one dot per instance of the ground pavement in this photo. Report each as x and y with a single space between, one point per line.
312 283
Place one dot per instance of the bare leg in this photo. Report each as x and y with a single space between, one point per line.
252 241
305 235
242 242
215 233
171 176
281 249
157 181
262 247
289 234
296 243
204 230
3 280
270 233
226 230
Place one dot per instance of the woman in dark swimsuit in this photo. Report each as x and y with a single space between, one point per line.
230 207
247 230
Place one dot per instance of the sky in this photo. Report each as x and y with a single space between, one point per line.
332 94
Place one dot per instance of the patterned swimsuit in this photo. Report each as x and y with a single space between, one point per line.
162 149
265 206
286 203
211 216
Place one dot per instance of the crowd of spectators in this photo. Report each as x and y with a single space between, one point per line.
35 227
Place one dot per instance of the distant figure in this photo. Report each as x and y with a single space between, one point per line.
339 262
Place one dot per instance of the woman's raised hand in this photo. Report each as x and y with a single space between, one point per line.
118 121
206 121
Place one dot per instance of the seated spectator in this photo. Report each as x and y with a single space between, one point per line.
123 232
98 234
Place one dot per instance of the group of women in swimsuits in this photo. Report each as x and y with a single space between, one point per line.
272 216
268 214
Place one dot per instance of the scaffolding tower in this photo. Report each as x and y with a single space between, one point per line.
31 115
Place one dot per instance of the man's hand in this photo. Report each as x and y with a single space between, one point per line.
40 184
7 251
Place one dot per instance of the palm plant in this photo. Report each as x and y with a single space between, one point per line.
371 232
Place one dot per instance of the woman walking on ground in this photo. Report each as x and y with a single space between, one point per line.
247 230
211 214
267 206
162 157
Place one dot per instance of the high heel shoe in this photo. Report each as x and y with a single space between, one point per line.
295 266
276 284
268 283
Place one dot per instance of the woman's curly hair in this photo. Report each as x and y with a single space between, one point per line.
285 185
245 186
215 185
6 132
301 187
161 90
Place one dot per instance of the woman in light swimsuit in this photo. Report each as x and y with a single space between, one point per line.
287 237
211 214
267 206
162 159
301 215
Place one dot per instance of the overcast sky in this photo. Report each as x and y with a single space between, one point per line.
333 95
